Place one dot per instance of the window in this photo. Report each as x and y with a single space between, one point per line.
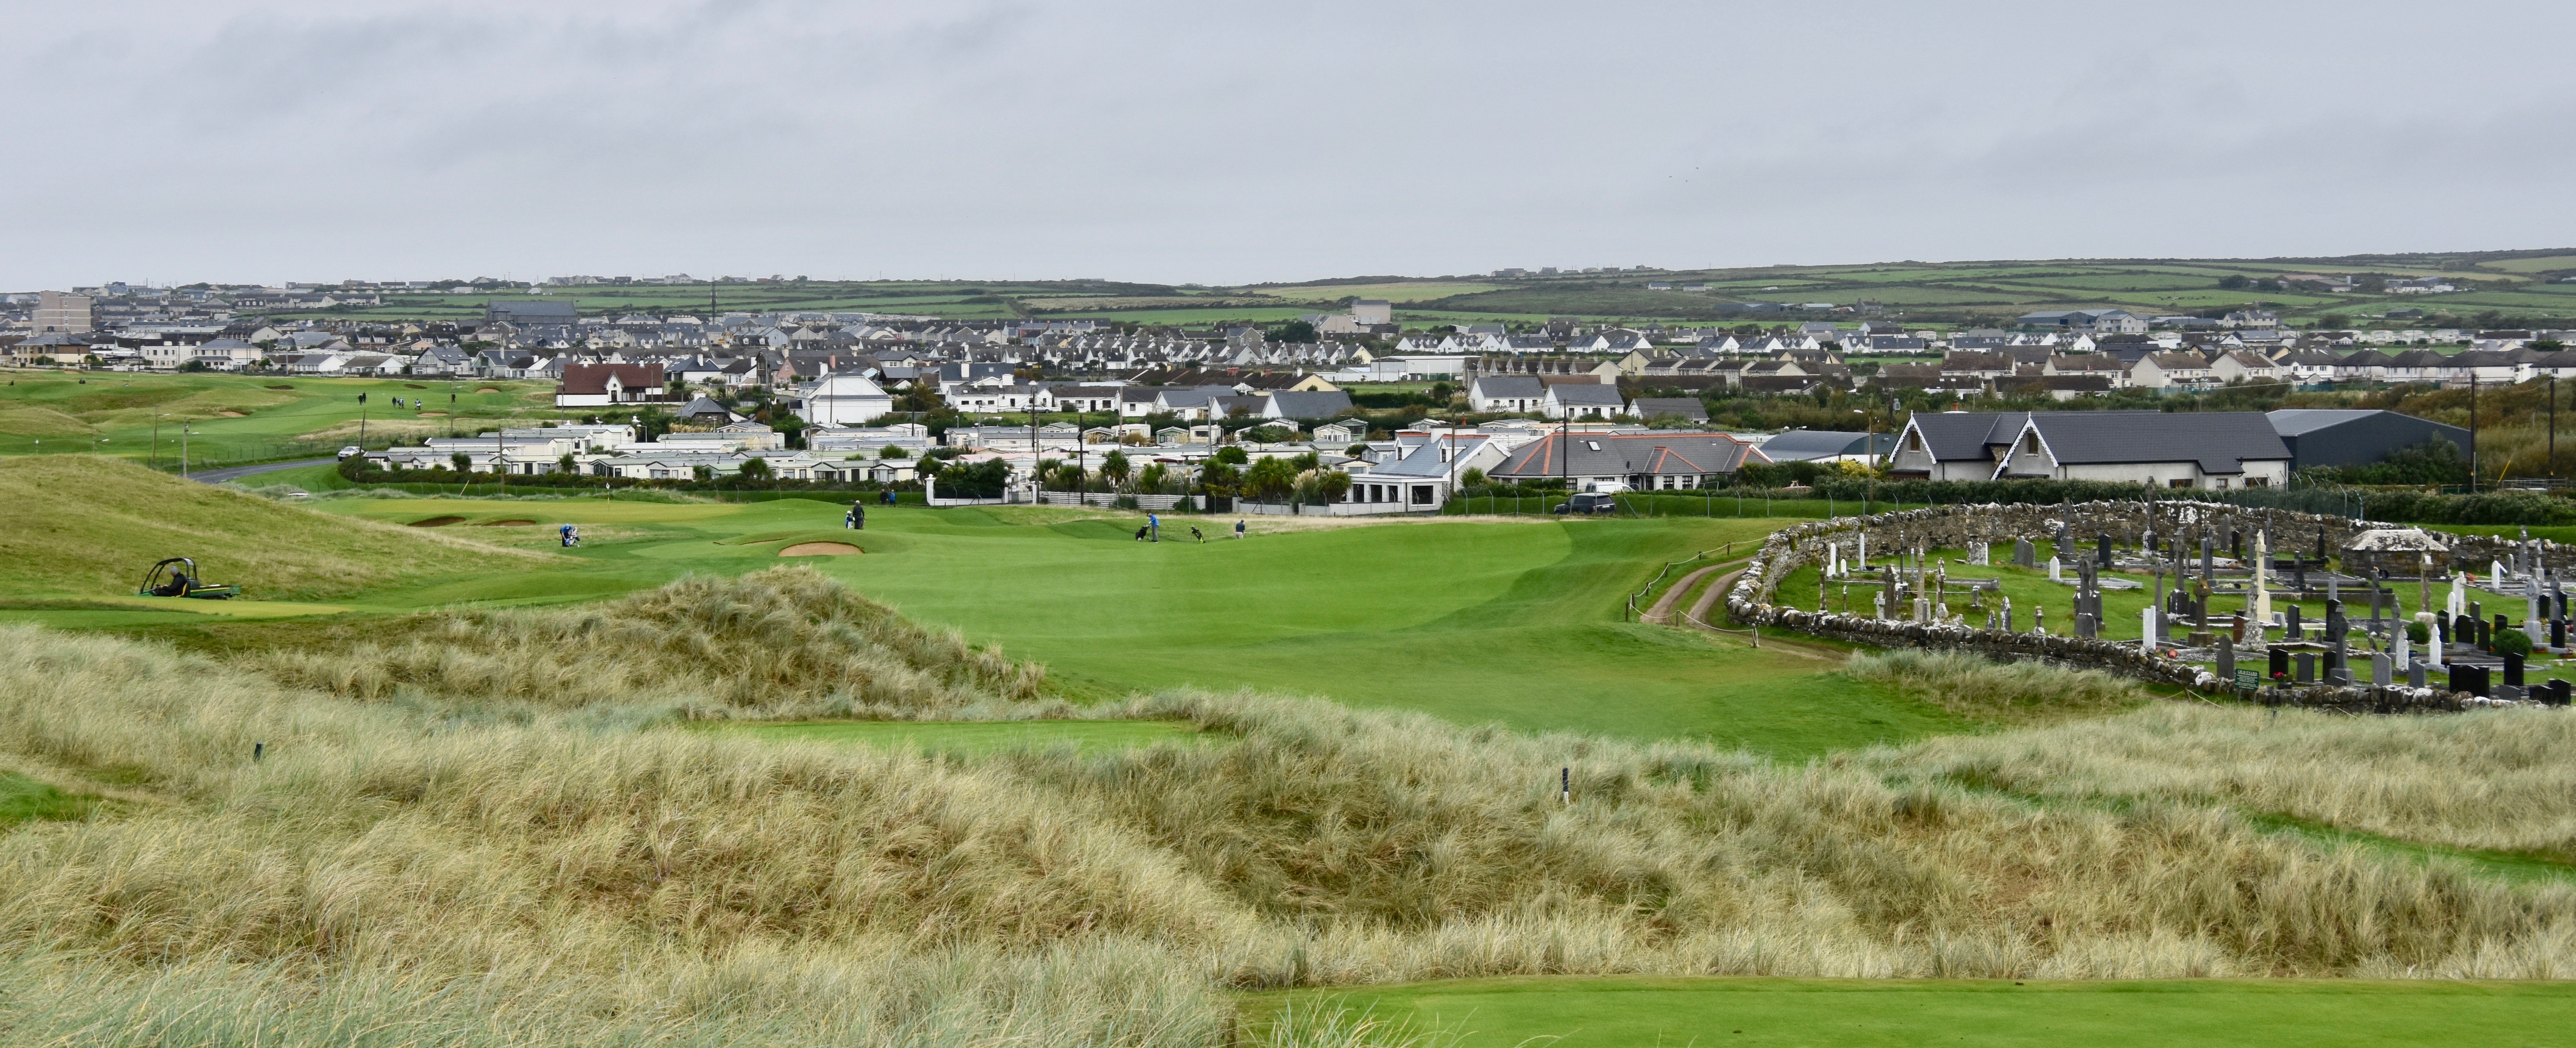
2183 483
2258 482
1593 444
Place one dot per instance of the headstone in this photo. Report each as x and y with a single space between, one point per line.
1980 553
2508 693
2024 555
2208 560
2383 671
2008 615
2279 664
2336 630
2055 572
2486 634
2102 550
2558 633
2226 659
2500 625
2084 628
2293 629
2307 667
2416 674
2513 669
2236 628
2398 644
1860 559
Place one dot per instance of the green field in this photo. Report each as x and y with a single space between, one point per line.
2509 283
216 419
1852 1013
1511 622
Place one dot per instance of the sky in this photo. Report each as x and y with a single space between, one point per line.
1221 143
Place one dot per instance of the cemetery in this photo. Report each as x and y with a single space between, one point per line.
2283 607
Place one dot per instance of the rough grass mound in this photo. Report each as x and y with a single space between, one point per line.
783 642
1997 692
88 526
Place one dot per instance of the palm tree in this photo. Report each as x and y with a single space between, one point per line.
1115 467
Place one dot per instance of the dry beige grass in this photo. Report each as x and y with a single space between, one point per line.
786 642
2497 779
521 872
1997 693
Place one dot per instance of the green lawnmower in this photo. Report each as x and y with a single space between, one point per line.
177 577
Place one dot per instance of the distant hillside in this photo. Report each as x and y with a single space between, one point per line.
88 526
2492 288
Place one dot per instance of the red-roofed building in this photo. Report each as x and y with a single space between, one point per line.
599 385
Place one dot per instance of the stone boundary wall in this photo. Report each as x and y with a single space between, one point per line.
1749 601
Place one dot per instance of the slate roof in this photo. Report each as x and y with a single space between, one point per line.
1800 445
1680 407
1624 453
1954 436
2220 441
1586 393
1509 386
1291 404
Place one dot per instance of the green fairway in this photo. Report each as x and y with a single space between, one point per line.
1517 622
1851 1013
968 739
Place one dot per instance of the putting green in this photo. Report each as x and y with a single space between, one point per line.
1576 1012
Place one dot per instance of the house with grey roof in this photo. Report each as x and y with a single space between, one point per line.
2209 449
1492 393
1293 404
1654 461
1581 400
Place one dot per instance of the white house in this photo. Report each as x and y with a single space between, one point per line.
846 399
1581 400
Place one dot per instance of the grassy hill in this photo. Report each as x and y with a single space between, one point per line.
86 527
233 418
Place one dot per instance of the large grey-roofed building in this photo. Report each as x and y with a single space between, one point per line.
2355 436
530 311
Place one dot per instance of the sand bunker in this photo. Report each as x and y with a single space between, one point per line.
489 389
437 522
820 549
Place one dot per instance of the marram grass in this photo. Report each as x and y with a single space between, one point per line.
578 870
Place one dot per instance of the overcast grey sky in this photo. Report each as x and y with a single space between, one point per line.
1188 141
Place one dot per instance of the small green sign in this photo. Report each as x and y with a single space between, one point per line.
2248 679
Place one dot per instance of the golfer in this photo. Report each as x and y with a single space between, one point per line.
1238 529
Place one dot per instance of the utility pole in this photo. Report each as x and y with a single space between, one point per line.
2553 426
2473 431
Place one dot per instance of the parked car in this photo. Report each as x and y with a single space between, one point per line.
1588 503
352 451
1607 487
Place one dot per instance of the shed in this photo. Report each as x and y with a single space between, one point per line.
2354 436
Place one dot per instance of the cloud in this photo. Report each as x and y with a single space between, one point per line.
1169 141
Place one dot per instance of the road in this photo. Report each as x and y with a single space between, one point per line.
218 476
